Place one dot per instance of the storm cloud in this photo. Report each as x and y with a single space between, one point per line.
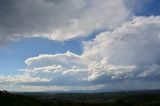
58 19
126 55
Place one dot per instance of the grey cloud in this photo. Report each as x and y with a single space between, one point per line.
57 19
54 1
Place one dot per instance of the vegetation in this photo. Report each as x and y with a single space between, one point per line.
141 98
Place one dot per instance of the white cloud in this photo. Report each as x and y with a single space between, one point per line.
6 80
134 43
132 50
67 59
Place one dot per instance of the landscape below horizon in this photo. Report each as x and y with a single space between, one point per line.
128 98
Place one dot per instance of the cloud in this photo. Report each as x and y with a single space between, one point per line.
127 52
134 43
67 59
58 19
130 53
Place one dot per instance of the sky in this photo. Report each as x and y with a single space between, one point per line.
65 45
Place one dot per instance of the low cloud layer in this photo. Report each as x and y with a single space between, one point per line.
113 60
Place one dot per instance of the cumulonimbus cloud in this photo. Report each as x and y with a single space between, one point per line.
126 52
129 53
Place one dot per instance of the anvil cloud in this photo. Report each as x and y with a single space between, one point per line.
126 55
